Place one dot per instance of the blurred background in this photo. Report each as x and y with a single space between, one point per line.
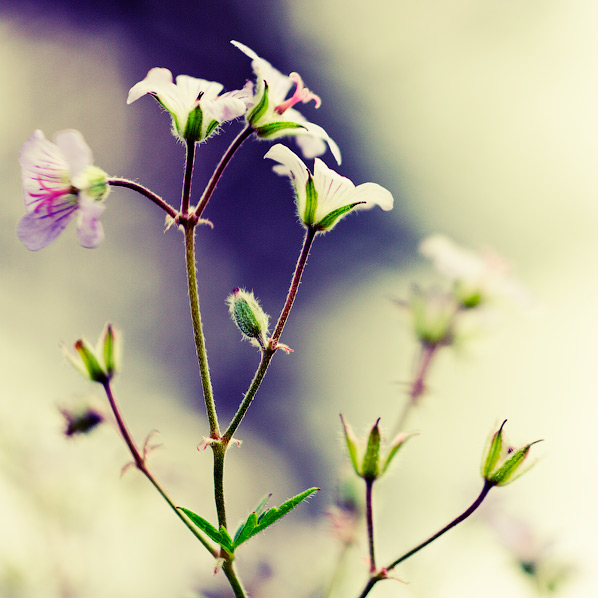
480 118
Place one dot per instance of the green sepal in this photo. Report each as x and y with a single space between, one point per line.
95 371
330 219
274 128
395 446
311 201
194 125
494 452
260 108
111 346
256 524
370 467
211 128
352 442
504 474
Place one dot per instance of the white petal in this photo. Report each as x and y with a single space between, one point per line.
224 108
90 231
334 190
312 136
450 259
293 167
373 195
37 230
156 81
75 150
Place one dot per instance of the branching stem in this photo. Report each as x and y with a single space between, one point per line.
145 192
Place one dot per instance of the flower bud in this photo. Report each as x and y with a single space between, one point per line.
366 459
502 463
99 364
248 315
81 420
94 182
433 315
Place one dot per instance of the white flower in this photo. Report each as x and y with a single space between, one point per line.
59 181
477 276
271 113
325 196
195 105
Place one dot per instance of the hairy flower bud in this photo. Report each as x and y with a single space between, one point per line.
249 317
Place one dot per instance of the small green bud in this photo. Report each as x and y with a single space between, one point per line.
370 468
433 315
103 362
502 463
366 457
249 316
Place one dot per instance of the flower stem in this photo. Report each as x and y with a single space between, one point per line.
141 465
369 514
269 351
418 386
383 573
186 193
235 582
200 344
310 235
146 193
230 152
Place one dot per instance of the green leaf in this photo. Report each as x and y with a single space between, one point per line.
203 525
330 219
254 524
227 541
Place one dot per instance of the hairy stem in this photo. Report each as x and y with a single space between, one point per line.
383 573
200 344
269 351
235 582
146 193
141 465
310 235
226 158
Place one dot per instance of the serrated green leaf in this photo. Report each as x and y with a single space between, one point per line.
329 220
203 525
273 515
227 541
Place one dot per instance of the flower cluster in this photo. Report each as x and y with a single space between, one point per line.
60 181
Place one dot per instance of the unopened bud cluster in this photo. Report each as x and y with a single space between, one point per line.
366 457
101 363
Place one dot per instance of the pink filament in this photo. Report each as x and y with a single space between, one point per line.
302 94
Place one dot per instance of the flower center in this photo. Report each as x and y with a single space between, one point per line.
47 197
302 94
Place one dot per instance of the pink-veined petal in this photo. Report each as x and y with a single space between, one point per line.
75 150
38 229
89 230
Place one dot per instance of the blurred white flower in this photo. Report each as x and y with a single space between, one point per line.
478 276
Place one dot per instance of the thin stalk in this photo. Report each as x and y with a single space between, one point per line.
310 235
226 158
418 386
383 573
186 193
269 351
219 450
200 344
146 193
369 515
141 465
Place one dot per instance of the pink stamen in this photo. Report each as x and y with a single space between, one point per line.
302 94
